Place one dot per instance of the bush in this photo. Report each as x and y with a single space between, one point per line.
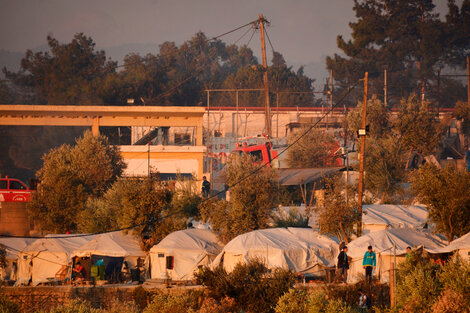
292 301
8 306
451 301
210 305
253 287
123 307
75 306
172 303
317 302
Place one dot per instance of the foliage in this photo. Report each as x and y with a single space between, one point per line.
384 167
69 176
417 126
293 218
8 306
292 301
446 194
250 206
3 254
405 37
210 305
143 203
251 285
426 287
169 303
75 306
316 149
377 117
71 74
337 213
122 307
462 113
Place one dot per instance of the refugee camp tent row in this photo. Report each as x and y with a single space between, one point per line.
299 249
460 246
180 254
12 246
48 258
378 217
112 249
388 244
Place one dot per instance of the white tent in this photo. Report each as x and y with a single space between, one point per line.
460 245
383 243
12 246
43 259
180 253
377 217
113 244
298 249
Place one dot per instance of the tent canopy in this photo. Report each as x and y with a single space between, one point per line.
396 216
15 245
458 244
114 244
299 249
190 240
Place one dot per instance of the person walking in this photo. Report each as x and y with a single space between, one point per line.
343 264
206 187
369 263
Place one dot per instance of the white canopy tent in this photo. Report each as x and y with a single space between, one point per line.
43 259
383 243
299 249
113 244
12 246
180 253
460 245
378 217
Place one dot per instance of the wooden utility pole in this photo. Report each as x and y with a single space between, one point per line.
468 80
385 88
265 78
362 134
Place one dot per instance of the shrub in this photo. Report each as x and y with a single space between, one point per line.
450 301
75 306
8 306
210 305
123 307
253 287
292 301
172 304
455 275
317 302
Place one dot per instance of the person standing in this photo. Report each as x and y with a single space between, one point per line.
369 263
206 187
343 264
362 301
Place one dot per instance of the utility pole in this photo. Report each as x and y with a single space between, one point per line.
362 134
265 78
385 88
468 80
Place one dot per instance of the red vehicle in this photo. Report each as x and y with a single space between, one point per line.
260 153
14 190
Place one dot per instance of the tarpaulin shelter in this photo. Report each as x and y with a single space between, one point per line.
299 249
460 246
180 253
45 258
377 217
12 246
386 244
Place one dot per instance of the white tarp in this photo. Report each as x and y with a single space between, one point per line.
12 247
189 248
298 249
113 244
44 258
461 245
377 217
383 243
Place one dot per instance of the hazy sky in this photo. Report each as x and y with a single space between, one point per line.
303 31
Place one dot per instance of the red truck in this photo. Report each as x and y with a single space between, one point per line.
14 190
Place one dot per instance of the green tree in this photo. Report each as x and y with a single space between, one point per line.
338 211
69 176
377 117
384 167
71 74
404 37
316 148
144 204
446 193
251 199
418 128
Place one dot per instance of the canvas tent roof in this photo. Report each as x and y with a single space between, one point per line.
396 216
114 244
296 176
190 239
299 249
383 241
460 243
14 245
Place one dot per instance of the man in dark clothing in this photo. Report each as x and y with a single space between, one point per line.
206 187
343 264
